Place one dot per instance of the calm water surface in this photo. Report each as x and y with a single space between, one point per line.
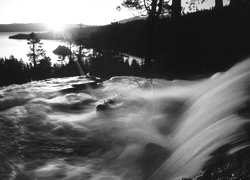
20 49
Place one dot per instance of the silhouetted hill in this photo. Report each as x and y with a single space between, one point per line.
204 42
22 27
29 27
132 19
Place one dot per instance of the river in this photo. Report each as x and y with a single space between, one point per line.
20 49
126 128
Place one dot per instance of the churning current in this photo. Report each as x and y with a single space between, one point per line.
131 128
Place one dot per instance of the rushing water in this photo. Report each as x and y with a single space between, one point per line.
124 128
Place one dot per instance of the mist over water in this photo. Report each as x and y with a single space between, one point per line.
125 128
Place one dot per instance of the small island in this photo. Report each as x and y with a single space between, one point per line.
44 35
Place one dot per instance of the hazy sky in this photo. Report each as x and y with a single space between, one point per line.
90 12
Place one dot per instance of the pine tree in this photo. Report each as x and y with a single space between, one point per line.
36 51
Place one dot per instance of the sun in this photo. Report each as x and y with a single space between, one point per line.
56 26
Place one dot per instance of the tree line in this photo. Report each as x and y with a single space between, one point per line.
15 71
105 63
175 44
182 46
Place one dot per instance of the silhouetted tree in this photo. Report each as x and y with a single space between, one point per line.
135 65
148 7
79 41
239 3
193 4
62 51
153 9
218 4
176 9
12 71
44 68
36 50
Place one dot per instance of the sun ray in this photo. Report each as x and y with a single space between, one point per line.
56 26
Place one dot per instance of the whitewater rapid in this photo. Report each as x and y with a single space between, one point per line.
124 128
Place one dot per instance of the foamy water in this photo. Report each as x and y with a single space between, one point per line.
142 129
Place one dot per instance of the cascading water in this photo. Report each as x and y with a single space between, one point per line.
124 128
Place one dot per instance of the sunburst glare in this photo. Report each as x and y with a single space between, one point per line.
56 26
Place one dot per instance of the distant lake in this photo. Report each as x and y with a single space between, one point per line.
19 48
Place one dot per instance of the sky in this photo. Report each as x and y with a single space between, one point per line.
206 5
89 12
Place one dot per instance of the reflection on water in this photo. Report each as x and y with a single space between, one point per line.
51 130
20 49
